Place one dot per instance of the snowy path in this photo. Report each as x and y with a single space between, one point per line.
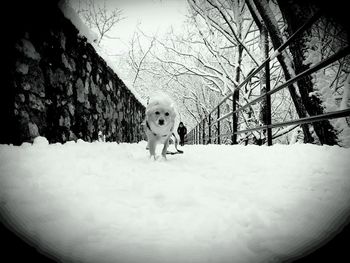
107 202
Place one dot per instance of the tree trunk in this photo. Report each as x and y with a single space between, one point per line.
264 50
237 7
295 13
276 38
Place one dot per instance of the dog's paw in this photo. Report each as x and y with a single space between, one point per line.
163 158
153 157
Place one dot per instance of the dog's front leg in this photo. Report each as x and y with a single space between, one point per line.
152 149
165 148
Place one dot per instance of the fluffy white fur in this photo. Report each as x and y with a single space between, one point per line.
159 123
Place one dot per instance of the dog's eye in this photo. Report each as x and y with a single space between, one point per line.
167 114
157 112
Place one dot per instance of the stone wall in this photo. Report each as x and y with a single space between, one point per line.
57 86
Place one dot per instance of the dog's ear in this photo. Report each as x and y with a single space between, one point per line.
151 106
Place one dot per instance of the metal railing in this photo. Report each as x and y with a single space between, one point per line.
202 133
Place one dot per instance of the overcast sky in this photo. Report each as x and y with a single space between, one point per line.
151 15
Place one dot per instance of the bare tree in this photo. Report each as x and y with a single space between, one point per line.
138 55
97 16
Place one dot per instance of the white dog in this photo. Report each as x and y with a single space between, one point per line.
159 123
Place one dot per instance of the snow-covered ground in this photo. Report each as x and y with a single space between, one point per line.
108 202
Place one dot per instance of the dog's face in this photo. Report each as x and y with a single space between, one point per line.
160 114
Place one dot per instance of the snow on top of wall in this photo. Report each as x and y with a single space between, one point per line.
92 38
83 29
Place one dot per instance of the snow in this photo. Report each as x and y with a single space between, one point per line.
109 202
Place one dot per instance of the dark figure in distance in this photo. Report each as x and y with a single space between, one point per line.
182 131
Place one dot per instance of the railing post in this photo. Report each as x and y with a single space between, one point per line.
199 133
218 140
268 104
234 118
204 131
209 131
194 135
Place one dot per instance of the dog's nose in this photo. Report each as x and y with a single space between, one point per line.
161 122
